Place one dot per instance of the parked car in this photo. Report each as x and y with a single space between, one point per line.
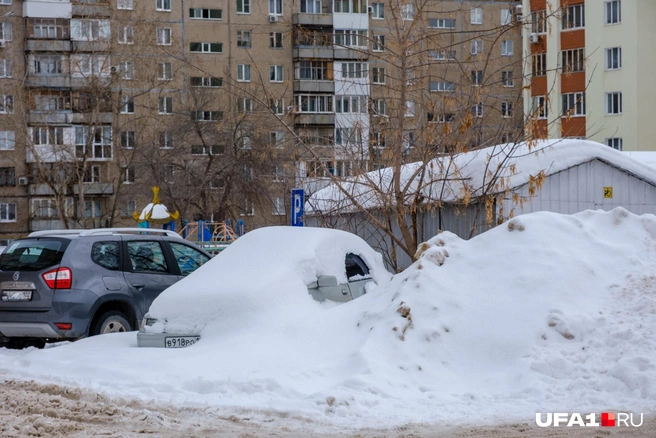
262 270
67 284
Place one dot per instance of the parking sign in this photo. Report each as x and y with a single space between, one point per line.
298 202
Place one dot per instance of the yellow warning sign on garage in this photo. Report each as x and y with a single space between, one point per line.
608 192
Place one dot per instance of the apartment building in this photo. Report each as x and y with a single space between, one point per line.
226 106
588 72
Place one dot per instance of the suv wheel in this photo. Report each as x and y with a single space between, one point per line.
111 322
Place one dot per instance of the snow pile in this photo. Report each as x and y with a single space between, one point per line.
154 212
545 313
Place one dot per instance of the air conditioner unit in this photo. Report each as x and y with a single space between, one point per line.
535 38
23 181
273 18
370 9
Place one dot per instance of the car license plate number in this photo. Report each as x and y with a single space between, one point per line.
180 341
16 295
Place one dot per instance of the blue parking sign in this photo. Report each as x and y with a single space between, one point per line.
298 202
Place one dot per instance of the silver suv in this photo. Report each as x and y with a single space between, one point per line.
67 284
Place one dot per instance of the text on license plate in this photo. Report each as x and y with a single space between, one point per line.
180 341
16 295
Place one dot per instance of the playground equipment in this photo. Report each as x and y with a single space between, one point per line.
214 237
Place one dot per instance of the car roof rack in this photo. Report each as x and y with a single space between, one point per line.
107 232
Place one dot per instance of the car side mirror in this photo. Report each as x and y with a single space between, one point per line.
326 280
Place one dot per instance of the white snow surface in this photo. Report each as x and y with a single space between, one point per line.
157 211
546 313
448 178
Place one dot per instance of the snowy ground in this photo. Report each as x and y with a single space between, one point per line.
547 313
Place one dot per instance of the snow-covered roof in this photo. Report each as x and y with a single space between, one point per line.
471 174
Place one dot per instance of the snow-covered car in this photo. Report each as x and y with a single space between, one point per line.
262 271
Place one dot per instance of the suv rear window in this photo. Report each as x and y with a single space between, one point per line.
32 255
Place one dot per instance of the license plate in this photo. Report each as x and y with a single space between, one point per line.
16 295
180 341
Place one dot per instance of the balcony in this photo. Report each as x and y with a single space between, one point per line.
97 118
38 45
314 86
95 189
361 53
99 9
48 81
47 9
312 19
313 52
315 119
48 117
92 46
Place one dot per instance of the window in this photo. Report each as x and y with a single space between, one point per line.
408 12
540 107
477 110
245 105
440 118
354 70
351 37
125 4
244 39
275 7
378 75
6 68
48 135
378 139
351 104
380 107
131 207
278 206
49 28
126 35
614 142
127 105
348 136
45 65
574 104
92 209
443 55
165 105
409 108
539 62
89 30
206 116
378 43
444 86
7 212
164 36
476 47
275 73
277 139
243 6
539 21
476 16
146 257
165 139
6 104
246 207
130 176
442 23
209 82
408 140
168 172
200 149
244 73
205 14
278 171
377 11
348 6
164 71
507 78
106 254
476 78
573 60
613 12
313 71
7 140
45 207
127 139
506 109
244 142
316 104
163 5
7 176
127 70
614 58
91 174
98 146
574 17
311 6
277 106
206 47
506 17
5 31
614 103
275 40
507 48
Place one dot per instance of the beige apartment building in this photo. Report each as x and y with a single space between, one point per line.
588 75
228 105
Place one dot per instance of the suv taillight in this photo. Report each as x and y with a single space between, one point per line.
60 278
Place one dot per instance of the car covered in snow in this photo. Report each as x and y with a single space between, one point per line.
264 270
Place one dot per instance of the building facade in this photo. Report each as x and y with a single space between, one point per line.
227 106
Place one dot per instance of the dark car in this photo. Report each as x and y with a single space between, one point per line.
67 284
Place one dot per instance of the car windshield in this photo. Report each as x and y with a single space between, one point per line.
32 255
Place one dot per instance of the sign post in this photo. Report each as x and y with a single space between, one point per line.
298 203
